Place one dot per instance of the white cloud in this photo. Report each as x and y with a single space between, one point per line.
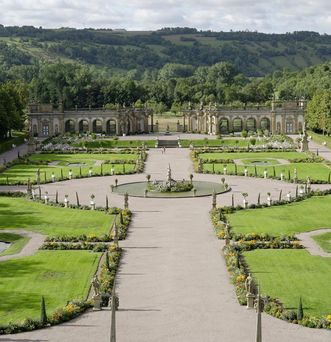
261 15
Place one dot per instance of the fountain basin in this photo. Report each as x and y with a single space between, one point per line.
137 189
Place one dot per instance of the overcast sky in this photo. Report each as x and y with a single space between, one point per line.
217 15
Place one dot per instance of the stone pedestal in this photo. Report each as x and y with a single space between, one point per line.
250 301
97 303
304 144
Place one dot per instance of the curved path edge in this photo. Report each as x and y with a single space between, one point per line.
311 245
31 247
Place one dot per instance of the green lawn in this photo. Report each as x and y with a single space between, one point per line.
59 276
115 143
253 155
289 274
310 214
324 240
320 138
16 213
316 171
17 242
65 162
220 142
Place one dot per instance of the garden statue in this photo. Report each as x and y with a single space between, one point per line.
96 285
46 198
246 172
249 287
97 295
295 175
265 174
304 141
249 284
288 196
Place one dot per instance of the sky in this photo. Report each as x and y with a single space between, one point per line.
218 15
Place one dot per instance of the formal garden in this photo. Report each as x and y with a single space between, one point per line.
288 165
53 285
50 167
265 244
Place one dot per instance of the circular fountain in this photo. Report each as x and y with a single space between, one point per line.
170 188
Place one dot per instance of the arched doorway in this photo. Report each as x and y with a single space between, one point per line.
265 124
224 126
97 126
83 126
111 127
237 125
251 124
69 126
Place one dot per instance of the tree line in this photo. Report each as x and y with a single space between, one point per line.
13 102
173 87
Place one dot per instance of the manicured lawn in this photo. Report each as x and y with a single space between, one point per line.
316 171
220 142
253 155
17 242
320 138
310 214
59 276
116 143
324 240
289 274
54 163
16 213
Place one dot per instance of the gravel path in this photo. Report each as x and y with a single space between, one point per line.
32 246
172 283
311 245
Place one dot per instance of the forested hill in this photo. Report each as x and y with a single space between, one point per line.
253 53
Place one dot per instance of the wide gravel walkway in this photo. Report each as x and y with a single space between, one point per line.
173 284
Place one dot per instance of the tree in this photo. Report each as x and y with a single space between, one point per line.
318 115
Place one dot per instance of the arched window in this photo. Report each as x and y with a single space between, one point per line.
224 126
97 126
237 125
69 126
83 126
111 127
265 124
251 124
